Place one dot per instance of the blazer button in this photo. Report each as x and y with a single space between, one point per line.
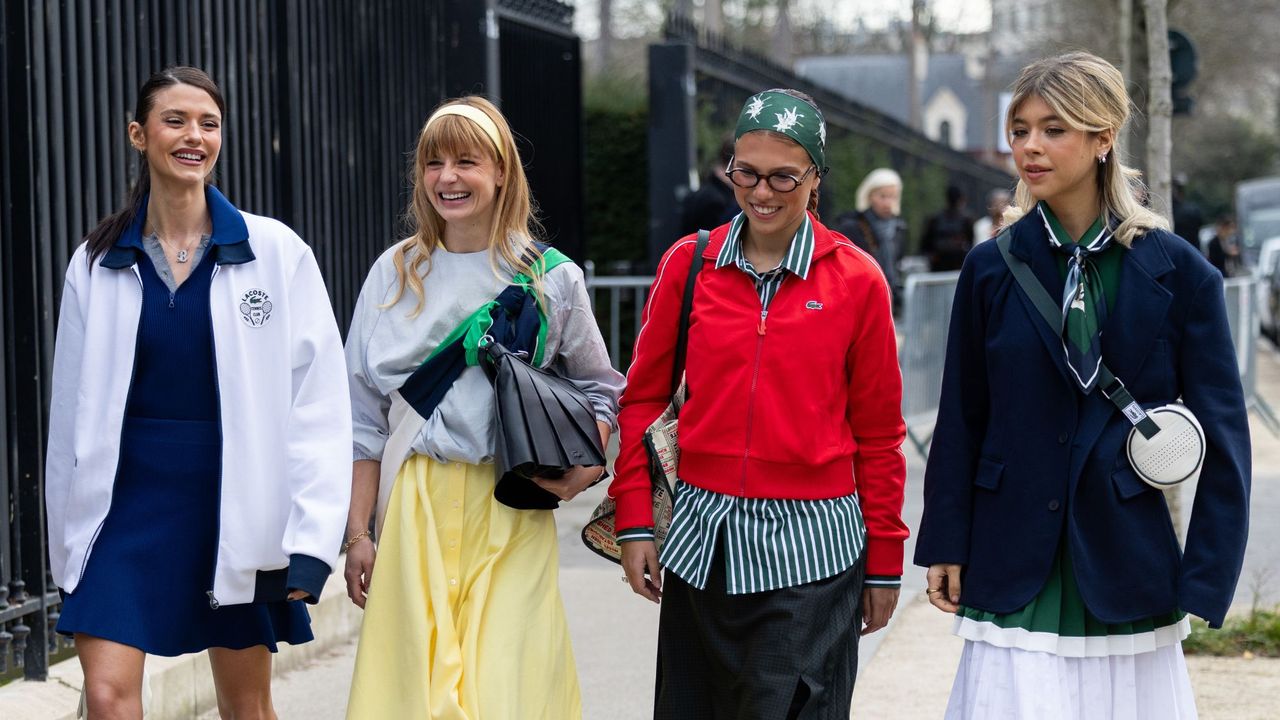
1053 504
1062 438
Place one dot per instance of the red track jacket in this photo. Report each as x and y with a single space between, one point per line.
804 403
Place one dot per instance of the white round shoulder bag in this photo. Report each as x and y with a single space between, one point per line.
1171 456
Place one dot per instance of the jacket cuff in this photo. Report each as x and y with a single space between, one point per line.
634 534
884 557
308 574
883 581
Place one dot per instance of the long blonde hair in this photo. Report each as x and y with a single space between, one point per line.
514 222
1089 94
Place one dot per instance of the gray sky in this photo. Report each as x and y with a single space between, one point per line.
952 15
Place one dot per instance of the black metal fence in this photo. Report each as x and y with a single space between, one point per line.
325 99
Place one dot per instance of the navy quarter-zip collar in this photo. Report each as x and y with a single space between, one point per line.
230 239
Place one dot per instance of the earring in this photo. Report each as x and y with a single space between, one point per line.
1102 159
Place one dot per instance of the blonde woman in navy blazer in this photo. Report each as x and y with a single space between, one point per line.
1062 566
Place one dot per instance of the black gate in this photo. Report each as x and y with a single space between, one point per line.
325 99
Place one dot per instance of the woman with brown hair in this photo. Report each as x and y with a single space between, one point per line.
786 537
193 501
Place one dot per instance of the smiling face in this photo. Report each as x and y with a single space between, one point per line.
462 187
772 214
1058 163
181 135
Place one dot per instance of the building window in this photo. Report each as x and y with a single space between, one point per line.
944 133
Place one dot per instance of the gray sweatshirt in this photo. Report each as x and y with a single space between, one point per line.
385 345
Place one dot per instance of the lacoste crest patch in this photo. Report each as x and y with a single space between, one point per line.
255 307
813 305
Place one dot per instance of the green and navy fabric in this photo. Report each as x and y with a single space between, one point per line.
514 319
768 543
1056 621
1084 310
787 114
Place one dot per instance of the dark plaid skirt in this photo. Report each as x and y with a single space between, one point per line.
789 653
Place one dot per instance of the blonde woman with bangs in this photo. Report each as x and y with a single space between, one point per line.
1062 566
464 618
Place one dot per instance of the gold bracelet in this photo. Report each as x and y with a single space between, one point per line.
354 539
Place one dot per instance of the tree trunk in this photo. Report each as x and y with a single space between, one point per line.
604 44
1159 106
713 16
917 63
1124 35
782 40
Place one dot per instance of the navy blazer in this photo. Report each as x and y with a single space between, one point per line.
1020 456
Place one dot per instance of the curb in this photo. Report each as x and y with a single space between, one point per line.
182 687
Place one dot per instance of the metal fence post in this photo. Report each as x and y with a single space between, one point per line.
672 148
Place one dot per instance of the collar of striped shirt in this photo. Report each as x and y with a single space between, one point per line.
797 260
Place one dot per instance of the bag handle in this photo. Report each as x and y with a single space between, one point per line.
1110 385
686 307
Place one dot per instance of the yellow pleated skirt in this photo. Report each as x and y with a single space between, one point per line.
464 619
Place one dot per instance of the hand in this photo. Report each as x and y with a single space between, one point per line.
640 557
298 595
577 479
943 583
359 570
878 604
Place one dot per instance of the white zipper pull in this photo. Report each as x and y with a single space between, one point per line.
213 602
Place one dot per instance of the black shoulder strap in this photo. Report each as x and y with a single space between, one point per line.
686 307
1111 387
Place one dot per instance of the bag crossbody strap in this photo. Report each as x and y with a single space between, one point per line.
1111 386
686 307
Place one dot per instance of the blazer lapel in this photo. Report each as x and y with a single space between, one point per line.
1141 306
1030 244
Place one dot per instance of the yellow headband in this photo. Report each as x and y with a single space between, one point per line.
475 115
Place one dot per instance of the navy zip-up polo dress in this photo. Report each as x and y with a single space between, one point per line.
146 582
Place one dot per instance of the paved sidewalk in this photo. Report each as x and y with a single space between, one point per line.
906 670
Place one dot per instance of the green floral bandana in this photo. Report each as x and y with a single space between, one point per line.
789 115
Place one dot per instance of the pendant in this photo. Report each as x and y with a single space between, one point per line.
182 256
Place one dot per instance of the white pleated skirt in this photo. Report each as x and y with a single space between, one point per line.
1004 683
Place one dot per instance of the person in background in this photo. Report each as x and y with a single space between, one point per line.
712 204
1187 216
948 235
877 226
1224 248
986 226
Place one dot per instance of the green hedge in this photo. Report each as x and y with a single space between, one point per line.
617 172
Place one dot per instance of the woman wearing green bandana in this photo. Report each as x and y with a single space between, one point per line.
1061 565
786 539
463 617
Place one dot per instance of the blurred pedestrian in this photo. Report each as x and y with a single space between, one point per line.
194 486
1224 247
712 204
1061 564
986 226
876 224
464 617
1187 216
786 539
948 235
